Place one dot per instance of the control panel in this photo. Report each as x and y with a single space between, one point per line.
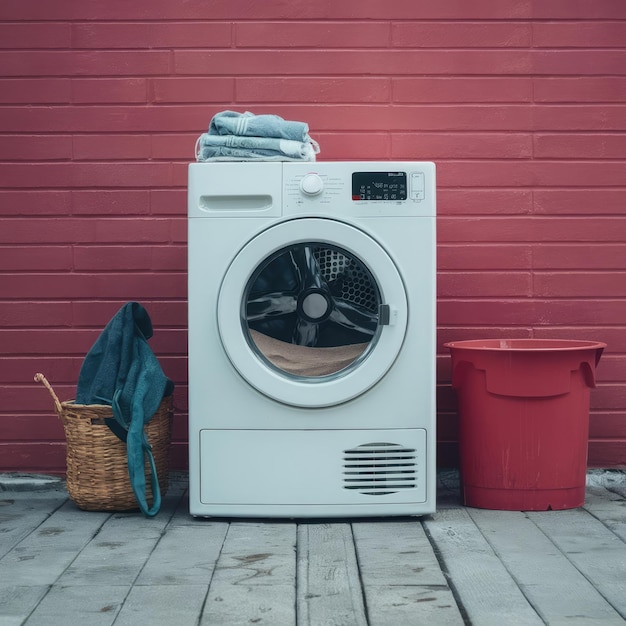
394 188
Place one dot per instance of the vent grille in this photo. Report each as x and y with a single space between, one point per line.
379 469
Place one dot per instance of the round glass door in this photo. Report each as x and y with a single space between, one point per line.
312 323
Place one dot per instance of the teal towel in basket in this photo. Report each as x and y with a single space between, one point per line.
121 370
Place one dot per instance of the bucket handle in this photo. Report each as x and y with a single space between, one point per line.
40 378
589 371
599 352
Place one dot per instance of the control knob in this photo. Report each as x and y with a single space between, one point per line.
312 185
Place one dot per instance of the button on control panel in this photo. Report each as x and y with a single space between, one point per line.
418 186
314 189
311 185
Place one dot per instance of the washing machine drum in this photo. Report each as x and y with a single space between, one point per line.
313 295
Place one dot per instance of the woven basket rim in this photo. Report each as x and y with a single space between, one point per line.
74 404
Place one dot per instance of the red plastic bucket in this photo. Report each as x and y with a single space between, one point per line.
524 421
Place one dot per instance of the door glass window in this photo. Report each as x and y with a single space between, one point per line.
311 310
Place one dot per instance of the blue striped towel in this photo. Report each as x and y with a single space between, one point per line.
236 136
233 147
249 125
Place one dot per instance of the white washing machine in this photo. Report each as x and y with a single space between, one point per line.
312 339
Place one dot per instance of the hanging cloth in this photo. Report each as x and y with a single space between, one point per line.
121 370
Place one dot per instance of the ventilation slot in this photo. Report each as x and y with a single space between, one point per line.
378 469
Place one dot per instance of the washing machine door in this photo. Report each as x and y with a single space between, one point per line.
312 312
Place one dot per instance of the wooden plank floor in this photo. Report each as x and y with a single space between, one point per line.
458 566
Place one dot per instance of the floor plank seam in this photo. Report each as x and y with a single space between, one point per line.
360 575
300 576
208 588
603 522
296 576
30 614
446 572
161 535
158 541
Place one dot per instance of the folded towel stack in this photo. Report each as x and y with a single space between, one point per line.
236 136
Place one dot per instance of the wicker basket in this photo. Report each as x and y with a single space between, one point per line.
97 468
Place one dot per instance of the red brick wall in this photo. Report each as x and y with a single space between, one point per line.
519 102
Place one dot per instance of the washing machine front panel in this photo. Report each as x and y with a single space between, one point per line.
305 319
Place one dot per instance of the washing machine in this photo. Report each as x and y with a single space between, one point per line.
311 339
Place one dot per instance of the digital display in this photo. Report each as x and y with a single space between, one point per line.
379 186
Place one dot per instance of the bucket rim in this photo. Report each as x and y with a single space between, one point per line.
525 345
